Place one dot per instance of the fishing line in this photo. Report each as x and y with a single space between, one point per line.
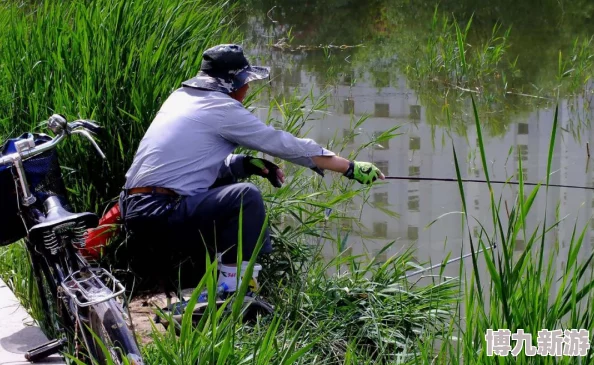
484 181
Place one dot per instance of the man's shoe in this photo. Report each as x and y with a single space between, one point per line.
221 294
255 307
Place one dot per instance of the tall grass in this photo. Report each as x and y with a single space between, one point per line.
448 57
368 313
108 60
17 273
520 290
213 339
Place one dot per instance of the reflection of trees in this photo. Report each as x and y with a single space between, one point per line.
397 37
323 22
540 28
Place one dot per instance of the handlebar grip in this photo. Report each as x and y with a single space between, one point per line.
58 123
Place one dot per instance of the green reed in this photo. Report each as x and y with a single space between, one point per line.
16 272
107 60
523 289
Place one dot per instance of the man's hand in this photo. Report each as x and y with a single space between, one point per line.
264 168
363 172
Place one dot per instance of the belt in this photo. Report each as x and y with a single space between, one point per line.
151 190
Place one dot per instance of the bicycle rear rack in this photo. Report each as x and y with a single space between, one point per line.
86 286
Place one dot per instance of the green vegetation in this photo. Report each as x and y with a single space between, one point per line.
106 60
16 272
528 289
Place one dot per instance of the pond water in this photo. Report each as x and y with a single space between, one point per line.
380 65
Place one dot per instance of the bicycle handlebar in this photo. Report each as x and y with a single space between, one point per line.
58 124
26 148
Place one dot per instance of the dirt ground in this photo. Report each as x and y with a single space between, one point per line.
142 311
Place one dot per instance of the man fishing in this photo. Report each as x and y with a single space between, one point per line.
185 177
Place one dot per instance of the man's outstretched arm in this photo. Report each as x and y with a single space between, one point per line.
240 126
245 129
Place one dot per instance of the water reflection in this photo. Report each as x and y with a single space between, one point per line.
420 152
516 127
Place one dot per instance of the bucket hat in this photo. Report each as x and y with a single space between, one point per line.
224 68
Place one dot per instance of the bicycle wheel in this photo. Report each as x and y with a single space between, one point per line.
57 319
107 322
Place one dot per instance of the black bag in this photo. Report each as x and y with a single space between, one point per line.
44 178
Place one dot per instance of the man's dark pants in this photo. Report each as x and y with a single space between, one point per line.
188 224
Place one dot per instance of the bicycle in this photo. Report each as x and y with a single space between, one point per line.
35 208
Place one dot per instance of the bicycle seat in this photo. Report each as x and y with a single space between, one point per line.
56 215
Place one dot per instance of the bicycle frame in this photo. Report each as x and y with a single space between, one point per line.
55 268
74 286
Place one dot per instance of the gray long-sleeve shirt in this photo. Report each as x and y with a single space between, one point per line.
190 142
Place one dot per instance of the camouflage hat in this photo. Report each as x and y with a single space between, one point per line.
224 68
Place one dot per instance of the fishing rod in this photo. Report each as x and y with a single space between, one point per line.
448 262
483 181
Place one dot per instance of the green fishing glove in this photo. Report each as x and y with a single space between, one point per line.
256 166
363 172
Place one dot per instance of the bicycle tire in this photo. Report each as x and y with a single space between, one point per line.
107 322
55 322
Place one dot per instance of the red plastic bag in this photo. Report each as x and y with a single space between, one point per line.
98 237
